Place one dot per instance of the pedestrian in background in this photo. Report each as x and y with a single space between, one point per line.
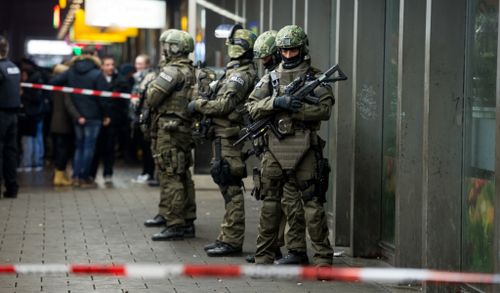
84 72
143 68
110 80
31 123
10 100
61 127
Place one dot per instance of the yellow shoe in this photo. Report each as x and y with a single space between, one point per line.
66 180
60 179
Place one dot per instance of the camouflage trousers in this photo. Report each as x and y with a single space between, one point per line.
232 229
283 193
173 159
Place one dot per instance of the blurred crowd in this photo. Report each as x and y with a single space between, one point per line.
56 127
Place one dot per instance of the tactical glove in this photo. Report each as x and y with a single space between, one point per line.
191 107
287 102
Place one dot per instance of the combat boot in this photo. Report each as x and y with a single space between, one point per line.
157 221
189 231
169 233
277 255
293 258
224 249
211 245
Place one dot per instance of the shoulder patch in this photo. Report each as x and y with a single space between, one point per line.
13 70
259 84
237 79
166 77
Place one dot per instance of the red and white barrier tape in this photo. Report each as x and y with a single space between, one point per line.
155 271
80 91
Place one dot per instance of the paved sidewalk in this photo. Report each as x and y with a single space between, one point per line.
105 225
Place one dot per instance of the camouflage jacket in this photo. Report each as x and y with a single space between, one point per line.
231 95
171 91
261 100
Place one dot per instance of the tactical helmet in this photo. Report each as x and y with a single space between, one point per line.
240 42
265 44
177 42
164 35
292 37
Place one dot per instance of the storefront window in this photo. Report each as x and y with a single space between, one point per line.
389 120
479 136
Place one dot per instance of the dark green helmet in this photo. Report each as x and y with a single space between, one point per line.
241 41
176 42
182 39
265 45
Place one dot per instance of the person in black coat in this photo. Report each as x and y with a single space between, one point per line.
31 123
84 73
110 80
10 100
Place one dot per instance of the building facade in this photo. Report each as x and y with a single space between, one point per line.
413 136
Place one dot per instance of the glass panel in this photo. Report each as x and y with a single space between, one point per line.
389 120
479 136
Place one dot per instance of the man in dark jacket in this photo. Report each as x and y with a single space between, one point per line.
10 100
84 73
110 80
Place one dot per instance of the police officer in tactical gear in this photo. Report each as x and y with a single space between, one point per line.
227 114
10 100
167 97
265 49
290 166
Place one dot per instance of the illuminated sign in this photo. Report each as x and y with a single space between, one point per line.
126 13
84 33
47 47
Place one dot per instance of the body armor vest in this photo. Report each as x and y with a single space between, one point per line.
297 135
176 103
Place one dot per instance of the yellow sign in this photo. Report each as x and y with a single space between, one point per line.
62 4
84 33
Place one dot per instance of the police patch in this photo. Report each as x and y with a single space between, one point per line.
13 70
166 76
237 79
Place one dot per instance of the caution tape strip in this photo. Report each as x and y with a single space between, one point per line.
156 271
80 91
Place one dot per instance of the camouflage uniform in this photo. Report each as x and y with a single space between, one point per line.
289 165
226 113
265 50
167 97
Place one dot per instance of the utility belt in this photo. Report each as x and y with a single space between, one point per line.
172 123
225 128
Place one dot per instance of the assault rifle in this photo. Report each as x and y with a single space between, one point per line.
203 127
299 90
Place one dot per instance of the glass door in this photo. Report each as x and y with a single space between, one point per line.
479 136
389 122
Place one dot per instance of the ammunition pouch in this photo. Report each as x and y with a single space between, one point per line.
323 179
172 161
203 129
221 174
257 184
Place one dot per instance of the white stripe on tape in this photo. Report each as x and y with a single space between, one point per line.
153 271
37 269
271 272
